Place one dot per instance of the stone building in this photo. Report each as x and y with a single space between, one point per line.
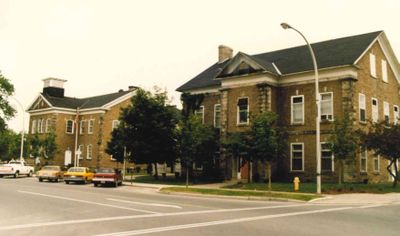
82 126
358 75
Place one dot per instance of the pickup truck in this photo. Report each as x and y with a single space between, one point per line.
16 168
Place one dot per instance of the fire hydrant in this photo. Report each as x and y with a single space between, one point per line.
296 184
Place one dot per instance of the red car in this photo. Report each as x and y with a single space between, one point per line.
105 176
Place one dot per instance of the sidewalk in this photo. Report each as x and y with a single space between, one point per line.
359 198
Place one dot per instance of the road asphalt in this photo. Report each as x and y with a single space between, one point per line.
32 208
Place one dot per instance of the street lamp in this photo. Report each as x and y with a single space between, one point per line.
317 100
21 155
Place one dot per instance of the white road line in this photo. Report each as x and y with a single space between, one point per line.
87 202
144 204
222 222
67 222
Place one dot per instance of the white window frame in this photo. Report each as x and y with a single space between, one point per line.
372 65
386 112
66 126
362 106
200 111
332 157
89 151
112 158
82 127
47 129
384 71
34 126
326 102
115 124
292 111
81 147
39 126
215 116
374 110
90 126
395 114
238 111
364 154
378 158
291 157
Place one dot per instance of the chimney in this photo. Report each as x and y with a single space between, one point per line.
53 87
224 53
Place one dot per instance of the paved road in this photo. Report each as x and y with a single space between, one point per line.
28 207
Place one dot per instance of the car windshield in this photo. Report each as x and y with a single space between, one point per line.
51 168
105 170
76 169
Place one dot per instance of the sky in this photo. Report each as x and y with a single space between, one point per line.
101 46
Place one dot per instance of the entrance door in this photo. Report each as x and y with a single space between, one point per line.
68 158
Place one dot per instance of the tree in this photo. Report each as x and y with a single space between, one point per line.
268 140
197 144
149 124
343 142
385 141
49 146
6 111
10 144
117 144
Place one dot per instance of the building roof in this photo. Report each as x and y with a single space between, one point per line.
330 53
83 103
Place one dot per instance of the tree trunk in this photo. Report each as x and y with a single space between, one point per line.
155 170
394 175
269 175
187 174
341 165
396 179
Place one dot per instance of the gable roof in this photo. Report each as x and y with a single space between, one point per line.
82 103
330 53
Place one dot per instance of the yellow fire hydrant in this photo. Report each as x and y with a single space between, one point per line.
296 184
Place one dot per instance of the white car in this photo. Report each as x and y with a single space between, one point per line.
16 168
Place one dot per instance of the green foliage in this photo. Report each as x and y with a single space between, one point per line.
147 129
343 140
385 141
191 102
6 111
197 142
117 144
237 143
45 147
9 145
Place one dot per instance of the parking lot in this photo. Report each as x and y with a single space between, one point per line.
32 208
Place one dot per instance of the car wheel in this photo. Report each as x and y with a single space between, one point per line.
95 184
56 180
40 180
30 174
16 174
116 184
1 176
67 182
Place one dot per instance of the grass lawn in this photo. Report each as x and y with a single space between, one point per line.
243 193
169 180
326 187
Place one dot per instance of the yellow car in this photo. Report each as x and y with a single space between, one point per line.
51 173
78 174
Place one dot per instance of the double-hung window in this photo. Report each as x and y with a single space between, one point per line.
377 163
243 111
363 160
48 125
326 106
89 151
115 124
375 110
217 115
33 128
361 107
395 114
386 111
200 113
69 127
297 157
326 157
82 127
297 109
372 65
90 126
42 126
384 71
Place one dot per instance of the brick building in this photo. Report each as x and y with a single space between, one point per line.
82 126
358 75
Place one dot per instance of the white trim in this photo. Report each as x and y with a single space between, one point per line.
276 68
80 156
33 126
362 106
291 110
372 65
302 156
118 100
238 111
81 126
386 111
196 112
395 114
384 71
90 131
47 129
365 152
389 55
375 111
368 48
378 157
331 104
91 152
203 90
42 97
114 124
66 126
220 112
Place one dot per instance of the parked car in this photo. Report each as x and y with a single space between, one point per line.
15 169
105 176
78 174
51 173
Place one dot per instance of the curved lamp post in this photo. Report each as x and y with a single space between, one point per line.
21 155
318 101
